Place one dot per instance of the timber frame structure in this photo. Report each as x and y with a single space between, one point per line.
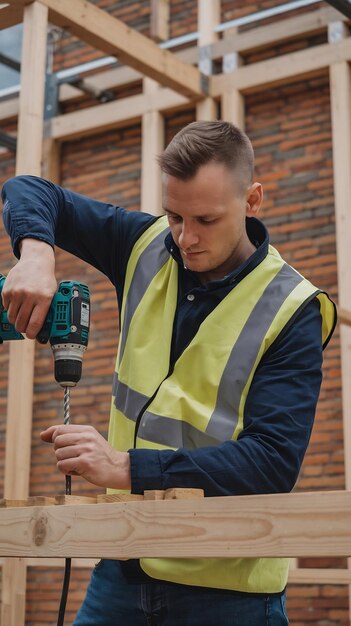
171 81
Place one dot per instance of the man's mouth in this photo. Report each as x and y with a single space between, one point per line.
192 254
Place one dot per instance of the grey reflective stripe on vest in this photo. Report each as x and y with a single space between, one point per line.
127 400
173 433
148 265
224 419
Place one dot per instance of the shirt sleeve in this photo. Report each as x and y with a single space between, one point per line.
278 420
97 232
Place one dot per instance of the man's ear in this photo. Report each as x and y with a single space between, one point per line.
254 199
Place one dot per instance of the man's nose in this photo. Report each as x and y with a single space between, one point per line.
187 237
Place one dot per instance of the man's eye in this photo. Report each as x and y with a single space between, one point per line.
175 218
203 220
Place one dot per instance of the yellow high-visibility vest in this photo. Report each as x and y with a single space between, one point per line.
201 401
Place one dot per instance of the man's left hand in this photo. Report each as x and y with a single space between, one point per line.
81 450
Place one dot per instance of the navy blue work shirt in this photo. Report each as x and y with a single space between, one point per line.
281 403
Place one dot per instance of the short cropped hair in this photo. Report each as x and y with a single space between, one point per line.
201 142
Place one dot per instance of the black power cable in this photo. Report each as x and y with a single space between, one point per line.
68 561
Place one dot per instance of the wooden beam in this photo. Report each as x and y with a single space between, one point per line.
340 88
209 14
290 28
340 94
113 114
315 21
152 144
316 576
282 69
10 16
107 33
159 20
309 524
232 100
51 162
21 366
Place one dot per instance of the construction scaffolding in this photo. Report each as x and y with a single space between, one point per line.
171 82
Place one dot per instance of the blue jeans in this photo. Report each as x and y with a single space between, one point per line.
112 601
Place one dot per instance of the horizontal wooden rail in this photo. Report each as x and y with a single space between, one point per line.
299 524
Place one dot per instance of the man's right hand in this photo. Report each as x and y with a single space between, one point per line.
30 286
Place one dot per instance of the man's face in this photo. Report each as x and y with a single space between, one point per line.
207 219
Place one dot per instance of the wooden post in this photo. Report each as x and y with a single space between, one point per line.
159 20
232 101
50 168
340 88
208 17
152 143
21 367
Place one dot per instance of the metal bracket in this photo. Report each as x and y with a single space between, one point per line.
52 89
205 60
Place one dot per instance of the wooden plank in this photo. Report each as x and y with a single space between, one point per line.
154 494
232 100
311 23
340 95
113 37
10 16
152 144
282 69
340 86
203 527
51 161
71 500
208 17
11 503
179 493
314 576
113 114
159 20
21 366
118 497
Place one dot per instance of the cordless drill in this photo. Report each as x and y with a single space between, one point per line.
66 326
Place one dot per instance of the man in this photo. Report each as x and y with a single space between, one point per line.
218 368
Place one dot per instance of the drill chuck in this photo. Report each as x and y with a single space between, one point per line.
68 363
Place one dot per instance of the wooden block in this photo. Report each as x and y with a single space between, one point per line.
154 494
40 501
180 493
75 499
5 503
118 497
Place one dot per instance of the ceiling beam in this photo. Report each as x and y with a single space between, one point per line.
10 16
344 6
102 117
112 36
280 70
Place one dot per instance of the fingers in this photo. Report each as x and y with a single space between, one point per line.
29 288
50 434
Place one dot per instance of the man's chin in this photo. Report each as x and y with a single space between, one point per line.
195 262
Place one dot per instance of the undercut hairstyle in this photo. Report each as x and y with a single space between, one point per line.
200 143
